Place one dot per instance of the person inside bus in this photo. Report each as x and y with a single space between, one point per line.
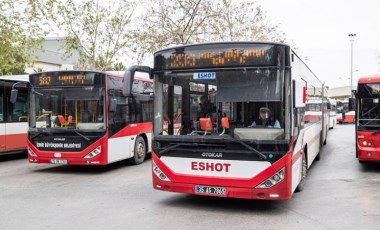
205 107
265 119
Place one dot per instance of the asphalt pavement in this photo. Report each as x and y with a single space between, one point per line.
340 193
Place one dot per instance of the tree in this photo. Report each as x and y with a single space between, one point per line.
173 22
100 32
20 32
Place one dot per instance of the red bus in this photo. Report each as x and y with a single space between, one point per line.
13 116
368 119
89 117
242 131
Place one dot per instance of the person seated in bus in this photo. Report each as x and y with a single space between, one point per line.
265 119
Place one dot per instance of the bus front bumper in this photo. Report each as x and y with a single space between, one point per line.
278 192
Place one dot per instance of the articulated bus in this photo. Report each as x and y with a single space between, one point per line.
13 119
88 117
345 114
242 132
368 119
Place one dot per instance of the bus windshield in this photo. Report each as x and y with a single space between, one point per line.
369 106
79 108
194 103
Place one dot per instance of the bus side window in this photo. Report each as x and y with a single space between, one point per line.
1 106
18 110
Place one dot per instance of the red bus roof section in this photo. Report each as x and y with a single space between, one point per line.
369 79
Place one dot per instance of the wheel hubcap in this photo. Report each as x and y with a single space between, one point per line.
140 150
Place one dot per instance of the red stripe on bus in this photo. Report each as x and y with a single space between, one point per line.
13 141
134 129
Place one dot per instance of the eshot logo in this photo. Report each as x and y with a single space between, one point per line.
211 75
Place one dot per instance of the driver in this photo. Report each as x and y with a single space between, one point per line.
265 119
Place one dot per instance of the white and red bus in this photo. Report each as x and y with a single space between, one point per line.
13 116
88 117
368 119
345 114
225 149
332 113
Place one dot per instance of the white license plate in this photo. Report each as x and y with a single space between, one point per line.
58 161
210 190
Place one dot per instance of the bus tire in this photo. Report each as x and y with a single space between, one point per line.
301 185
318 156
139 151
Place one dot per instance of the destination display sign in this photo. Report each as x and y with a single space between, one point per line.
64 144
62 79
216 55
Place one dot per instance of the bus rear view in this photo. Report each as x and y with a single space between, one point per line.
368 120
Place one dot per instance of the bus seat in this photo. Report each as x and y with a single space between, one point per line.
225 124
62 121
205 124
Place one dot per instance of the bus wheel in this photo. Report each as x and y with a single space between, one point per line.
140 151
301 185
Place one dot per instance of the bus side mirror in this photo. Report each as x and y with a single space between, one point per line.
328 106
129 77
351 104
112 105
13 98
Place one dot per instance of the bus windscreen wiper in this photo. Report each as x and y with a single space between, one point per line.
250 148
36 135
84 137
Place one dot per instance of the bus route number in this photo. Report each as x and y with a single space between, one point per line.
44 80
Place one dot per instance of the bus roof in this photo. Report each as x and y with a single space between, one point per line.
216 43
15 78
369 79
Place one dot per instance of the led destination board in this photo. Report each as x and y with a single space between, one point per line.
64 79
216 55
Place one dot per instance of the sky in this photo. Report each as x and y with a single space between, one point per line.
320 28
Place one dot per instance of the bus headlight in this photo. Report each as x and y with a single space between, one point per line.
31 152
364 143
159 173
273 180
94 152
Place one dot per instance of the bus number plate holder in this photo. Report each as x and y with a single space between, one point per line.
220 191
58 161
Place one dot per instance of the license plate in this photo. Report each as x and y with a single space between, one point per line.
58 161
210 190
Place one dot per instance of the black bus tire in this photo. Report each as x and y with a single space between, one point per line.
301 185
139 151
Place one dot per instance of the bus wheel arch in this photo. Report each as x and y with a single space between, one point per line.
303 172
140 150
